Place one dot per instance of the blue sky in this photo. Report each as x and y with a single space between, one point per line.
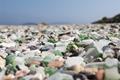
56 11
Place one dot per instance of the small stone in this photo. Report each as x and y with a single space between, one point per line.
108 53
84 76
32 47
57 63
111 68
100 74
78 68
44 49
2 62
38 76
60 76
20 73
91 54
71 61
13 44
100 44
19 60
9 77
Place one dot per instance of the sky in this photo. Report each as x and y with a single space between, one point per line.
56 11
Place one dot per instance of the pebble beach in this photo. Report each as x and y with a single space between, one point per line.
60 52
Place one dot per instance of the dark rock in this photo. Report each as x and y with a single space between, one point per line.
10 50
44 49
84 76
32 47
115 19
1 46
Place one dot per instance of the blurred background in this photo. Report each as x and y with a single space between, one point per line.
56 11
